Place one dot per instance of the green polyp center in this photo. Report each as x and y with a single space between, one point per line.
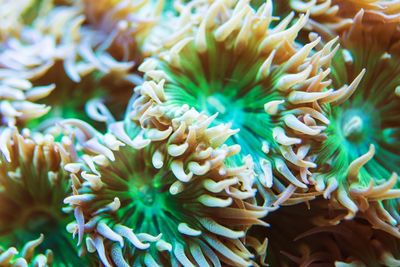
369 116
147 195
228 110
355 124
149 198
353 128
147 206
146 203
224 81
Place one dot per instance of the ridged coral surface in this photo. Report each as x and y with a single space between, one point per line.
199 133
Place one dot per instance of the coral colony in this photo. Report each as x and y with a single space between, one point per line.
199 133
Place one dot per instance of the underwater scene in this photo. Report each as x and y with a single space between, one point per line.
199 133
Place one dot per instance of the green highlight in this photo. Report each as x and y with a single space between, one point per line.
225 82
146 203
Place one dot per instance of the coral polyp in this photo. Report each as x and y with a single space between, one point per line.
359 160
17 100
334 17
199 133
276 244
255 77
26 257
124 25
33 185
74 65
350 243
310 235
162 196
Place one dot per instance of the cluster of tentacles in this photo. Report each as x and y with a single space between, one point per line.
200 133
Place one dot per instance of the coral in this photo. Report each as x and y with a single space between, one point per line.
351 243
27 256
309 234
123 25
15 15
199 133
359 160
57 32
224 59
333 17
33 185
163 195
17 97
75 63
276 244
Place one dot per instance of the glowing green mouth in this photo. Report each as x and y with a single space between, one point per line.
358 126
